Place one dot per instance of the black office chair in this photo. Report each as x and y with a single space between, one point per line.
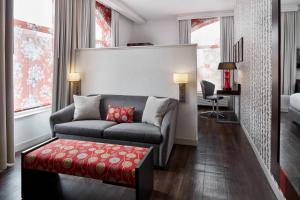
208 90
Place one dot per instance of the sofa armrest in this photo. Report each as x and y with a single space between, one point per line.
166 123
168 118
64 115
168 130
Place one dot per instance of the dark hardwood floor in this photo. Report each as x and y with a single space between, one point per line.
222 166
290 150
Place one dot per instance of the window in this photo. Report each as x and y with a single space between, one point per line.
33 54
206 33
103 26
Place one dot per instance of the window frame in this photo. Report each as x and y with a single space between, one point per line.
198 26
19 113
32 111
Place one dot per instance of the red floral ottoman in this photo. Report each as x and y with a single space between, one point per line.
116 164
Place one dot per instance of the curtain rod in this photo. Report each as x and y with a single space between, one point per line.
224 13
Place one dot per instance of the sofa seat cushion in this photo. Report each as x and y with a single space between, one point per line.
134 132
88 128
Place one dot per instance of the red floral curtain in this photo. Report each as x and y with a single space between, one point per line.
33 65
199 23
103 26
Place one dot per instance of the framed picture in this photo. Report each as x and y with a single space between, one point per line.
241 47
234 53
237 53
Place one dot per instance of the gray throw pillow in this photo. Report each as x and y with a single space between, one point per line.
155 110
86 107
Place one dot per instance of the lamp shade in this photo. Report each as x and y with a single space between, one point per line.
180 78
227 65
72 77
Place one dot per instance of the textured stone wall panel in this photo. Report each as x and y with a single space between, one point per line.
253 21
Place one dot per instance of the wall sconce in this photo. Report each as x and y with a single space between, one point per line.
181 79
75 85
74 77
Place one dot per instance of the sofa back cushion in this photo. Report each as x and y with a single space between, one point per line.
155 110
85 107
138 102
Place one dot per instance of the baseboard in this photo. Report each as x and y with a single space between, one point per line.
266 171
188 142
31 142
284 110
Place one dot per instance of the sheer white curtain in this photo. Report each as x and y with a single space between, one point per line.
115 38
7 154
185 27
74 28
227 41
227 38
289 38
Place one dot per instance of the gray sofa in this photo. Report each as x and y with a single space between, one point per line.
137 133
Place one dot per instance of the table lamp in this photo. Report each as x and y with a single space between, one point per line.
227 67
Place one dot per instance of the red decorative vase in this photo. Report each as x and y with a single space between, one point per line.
227 79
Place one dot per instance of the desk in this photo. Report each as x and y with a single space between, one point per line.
230 116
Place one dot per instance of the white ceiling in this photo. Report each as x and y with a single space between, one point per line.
289 1
155 9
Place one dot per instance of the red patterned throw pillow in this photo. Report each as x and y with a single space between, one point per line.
120 114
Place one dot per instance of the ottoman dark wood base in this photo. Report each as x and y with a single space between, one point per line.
44 183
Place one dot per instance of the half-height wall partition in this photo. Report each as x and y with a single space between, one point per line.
144 71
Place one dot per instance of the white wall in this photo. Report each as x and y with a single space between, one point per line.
158 32
31 130
125 28
43 11
144 71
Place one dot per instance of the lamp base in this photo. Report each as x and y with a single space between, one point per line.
74 89
227 80
182 92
